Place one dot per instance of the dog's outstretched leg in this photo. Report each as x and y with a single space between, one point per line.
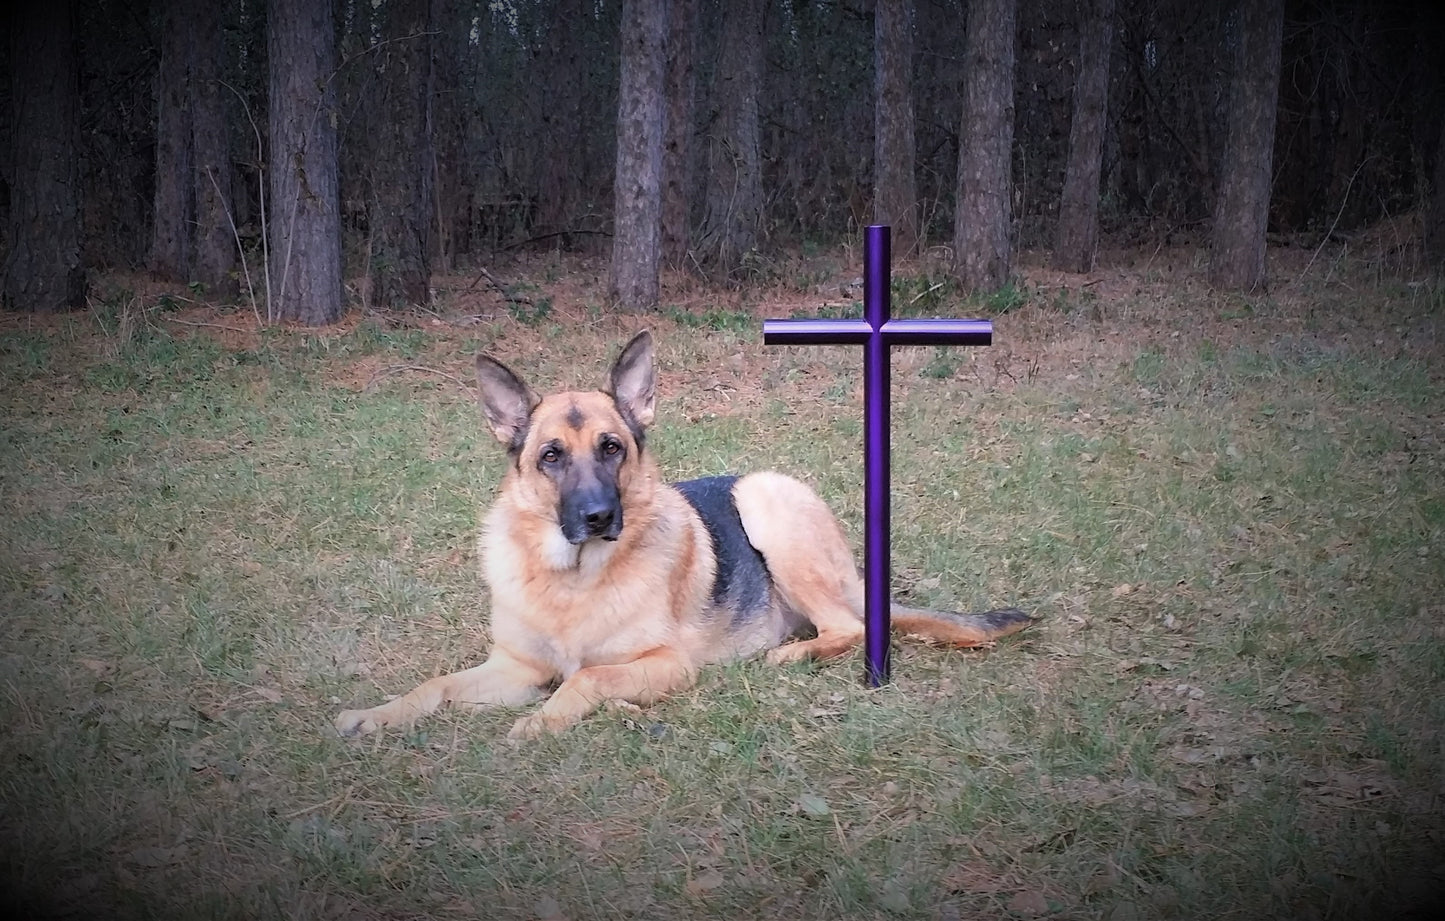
643 681
502 680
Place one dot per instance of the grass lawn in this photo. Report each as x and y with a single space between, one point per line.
1227 512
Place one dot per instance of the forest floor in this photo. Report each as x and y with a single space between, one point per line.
1227 511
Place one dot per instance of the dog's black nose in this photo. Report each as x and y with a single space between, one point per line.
588 513
599 519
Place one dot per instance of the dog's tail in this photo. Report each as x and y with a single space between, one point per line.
959 629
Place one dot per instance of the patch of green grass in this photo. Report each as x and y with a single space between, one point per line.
371 338
1005 300
852 310
924 295
714 318
24 355
944 363
1077 300
530 313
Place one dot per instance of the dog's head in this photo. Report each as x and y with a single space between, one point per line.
577 453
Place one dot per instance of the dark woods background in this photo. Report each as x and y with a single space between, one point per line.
151 133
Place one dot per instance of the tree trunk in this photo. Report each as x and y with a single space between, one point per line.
402 203
171 237
734 208
1076 242
981 250
1241 211
1435 218
563 66
454 185
677 162
215 241
191 237
637 191
895 199
43 270
303 213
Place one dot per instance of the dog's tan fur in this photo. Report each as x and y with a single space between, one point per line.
633 618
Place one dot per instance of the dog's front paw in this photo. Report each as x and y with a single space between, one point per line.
529 727
537 725
786 654
351 724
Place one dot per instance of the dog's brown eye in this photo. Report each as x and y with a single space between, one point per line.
611 448
551 455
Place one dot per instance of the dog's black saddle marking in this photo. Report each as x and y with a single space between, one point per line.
742 584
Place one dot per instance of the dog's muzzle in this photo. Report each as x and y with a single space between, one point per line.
592 513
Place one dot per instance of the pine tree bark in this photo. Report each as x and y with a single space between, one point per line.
563 71
1435 218
734 206
895 197
1076 241
191 237
171 238
1241 210
680 85
303 214
454 186
402 202
43 271
215 241
637 191
982 254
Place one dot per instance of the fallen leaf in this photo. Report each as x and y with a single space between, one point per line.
200 756
97 667
894 897
157 856
547 909
1194 754
1128 665
704 883
1028 903
813 805
1106 878
973 876
589 838
1184 810
1124 911
211 713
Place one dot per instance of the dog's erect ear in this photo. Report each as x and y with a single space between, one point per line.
634 382
506 402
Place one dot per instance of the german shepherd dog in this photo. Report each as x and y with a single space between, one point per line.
610 585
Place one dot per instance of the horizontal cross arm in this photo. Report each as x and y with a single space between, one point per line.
894 332
938 332
816 332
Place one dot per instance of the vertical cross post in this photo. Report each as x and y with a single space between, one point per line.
876 332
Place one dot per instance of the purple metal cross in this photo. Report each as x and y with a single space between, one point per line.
876 332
